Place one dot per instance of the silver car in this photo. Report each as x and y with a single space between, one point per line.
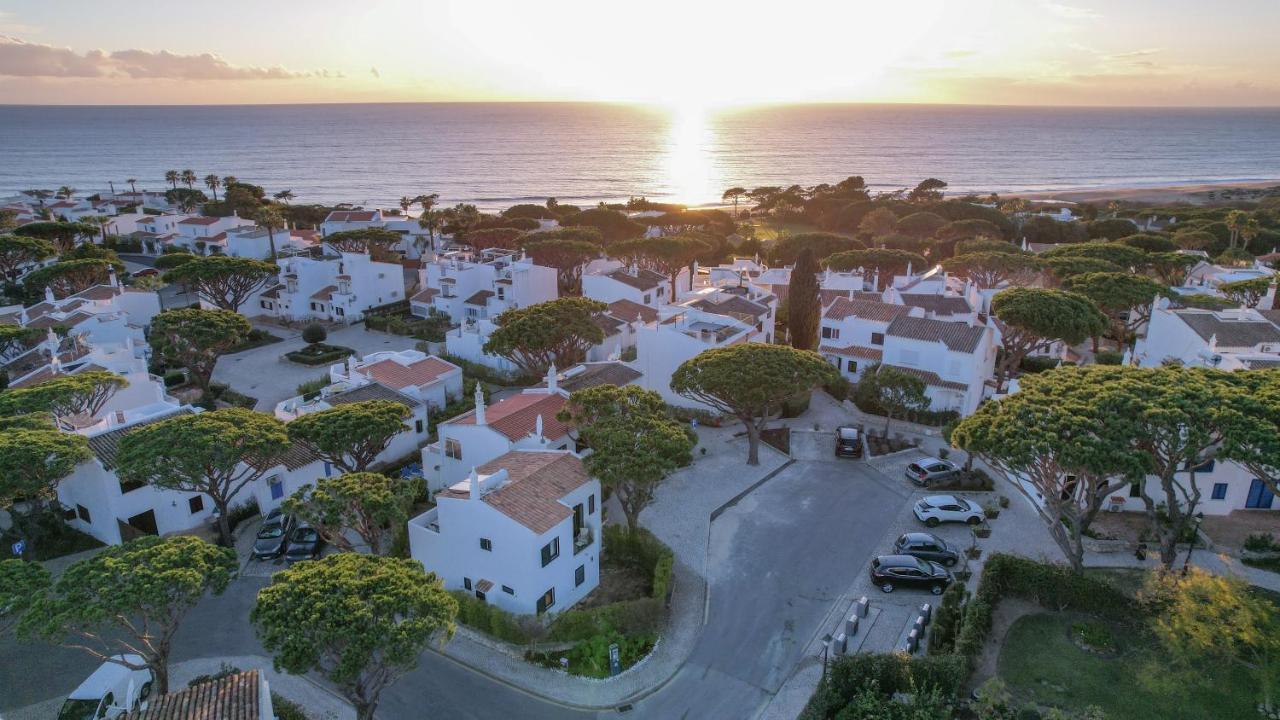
929 471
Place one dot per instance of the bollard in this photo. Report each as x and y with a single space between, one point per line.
862 605
926 612
851 625
841 644
918 628
913 641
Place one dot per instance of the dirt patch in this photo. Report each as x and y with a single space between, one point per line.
1127 526
1228 532
1007 612
616 584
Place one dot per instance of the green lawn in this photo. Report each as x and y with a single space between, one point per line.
1041 664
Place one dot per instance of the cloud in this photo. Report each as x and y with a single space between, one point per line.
19 58
1133 54
374 72
1071 12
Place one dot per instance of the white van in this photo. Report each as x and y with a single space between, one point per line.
112 691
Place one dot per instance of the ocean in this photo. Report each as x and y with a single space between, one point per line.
499 154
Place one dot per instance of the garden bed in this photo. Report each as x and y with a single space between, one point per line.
881 445
319 354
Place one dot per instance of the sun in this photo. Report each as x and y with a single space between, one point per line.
688 166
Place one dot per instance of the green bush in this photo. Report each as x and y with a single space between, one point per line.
1261 542
319 354
312 388
590 657
1108 357
974 628
947 620
286 709
1094 635
314 333
480 615
487 374
242 512
173 378
1052 586
1039 363
932 418
851 676
795 405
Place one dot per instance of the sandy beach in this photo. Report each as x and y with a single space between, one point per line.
1193 194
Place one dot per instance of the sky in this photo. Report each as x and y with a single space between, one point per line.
682 53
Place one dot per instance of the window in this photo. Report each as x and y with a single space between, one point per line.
580 575
417 426
486 544
339 311
328 468
315 306
851 365
68 513
591 504
277 489
1219 491
647 299
479 595
547 600
466 583
550 551
1135 490
877 338
508 590
1206 467
829 333
83 513
453 449
196 504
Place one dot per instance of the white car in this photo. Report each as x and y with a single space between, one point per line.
937 509
112 691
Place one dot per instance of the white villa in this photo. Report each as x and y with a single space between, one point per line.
521 531
469 286
333 287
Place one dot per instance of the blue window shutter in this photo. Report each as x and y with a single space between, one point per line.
328 469
1219 491
277 490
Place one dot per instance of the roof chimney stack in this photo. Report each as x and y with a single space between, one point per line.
479 405
551 378
537 429
48 294
474 483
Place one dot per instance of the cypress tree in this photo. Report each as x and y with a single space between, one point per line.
803 306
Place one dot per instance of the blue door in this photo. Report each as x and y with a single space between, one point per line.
1260 496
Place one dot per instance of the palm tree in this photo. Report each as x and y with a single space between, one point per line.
171 177
65 192
284 196
102 225
405 203
429 220
1236 222
212 182
229 180
1248 231
189 178
271 219
132 184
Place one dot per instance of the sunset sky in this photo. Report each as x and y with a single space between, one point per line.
677 52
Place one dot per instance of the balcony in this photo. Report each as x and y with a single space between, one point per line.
429 520
583 539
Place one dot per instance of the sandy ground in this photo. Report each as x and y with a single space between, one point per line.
1197 194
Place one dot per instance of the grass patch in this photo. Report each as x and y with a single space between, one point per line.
1272 564
57 539
319 354
1127 580
1041 664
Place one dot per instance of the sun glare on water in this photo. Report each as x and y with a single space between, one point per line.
688 160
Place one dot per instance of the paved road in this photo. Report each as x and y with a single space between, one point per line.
779 559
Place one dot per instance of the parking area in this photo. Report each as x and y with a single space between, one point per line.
263 373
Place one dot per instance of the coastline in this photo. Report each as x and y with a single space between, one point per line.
1178 193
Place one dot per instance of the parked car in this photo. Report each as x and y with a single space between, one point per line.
273 536
112 691
146 272
305 543
929 471
890 572
927 546
848 441
937 509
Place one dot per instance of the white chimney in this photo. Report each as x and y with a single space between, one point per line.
1268 301
551 378
479 405
48 294
474 484
537 428
111 277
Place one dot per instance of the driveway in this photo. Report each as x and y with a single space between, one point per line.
263 373
779 561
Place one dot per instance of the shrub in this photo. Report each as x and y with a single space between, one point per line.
1039 363
319 354
286 709
488 374
852 675
1052 586
314 333
1094 635
242 512
480 615
1108 357
947 620
795 405
173 378
1004 501
1261 542
991 512
312 388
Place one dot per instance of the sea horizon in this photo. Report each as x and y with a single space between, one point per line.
494 154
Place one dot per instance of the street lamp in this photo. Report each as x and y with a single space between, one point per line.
1195 533
826 647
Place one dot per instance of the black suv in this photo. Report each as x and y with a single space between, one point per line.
273 536
848 442
926 547
889 572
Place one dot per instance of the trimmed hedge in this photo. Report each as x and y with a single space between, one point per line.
491 619
319 354
851 675
1051 586
638 549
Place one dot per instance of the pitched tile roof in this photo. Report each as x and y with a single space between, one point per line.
855 351
593 374
937 304
297 455
397 376
372 391
425 296
199 220
1229 333
732 305
631 311
957 336
931 378
536 480
644 279
610 325
98 292
866 309
105 445
234 697
826 297
516 417
325 293
479 298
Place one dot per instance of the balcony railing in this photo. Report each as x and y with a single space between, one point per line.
583 540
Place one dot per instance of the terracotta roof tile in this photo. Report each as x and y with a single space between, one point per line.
425 296
854 351
536 481
351 216
479 298
234 697
105 445
199 220
325 293
372 391
865 309
642 280
516 417
396 376
957 336
931 378
631 311
938 304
